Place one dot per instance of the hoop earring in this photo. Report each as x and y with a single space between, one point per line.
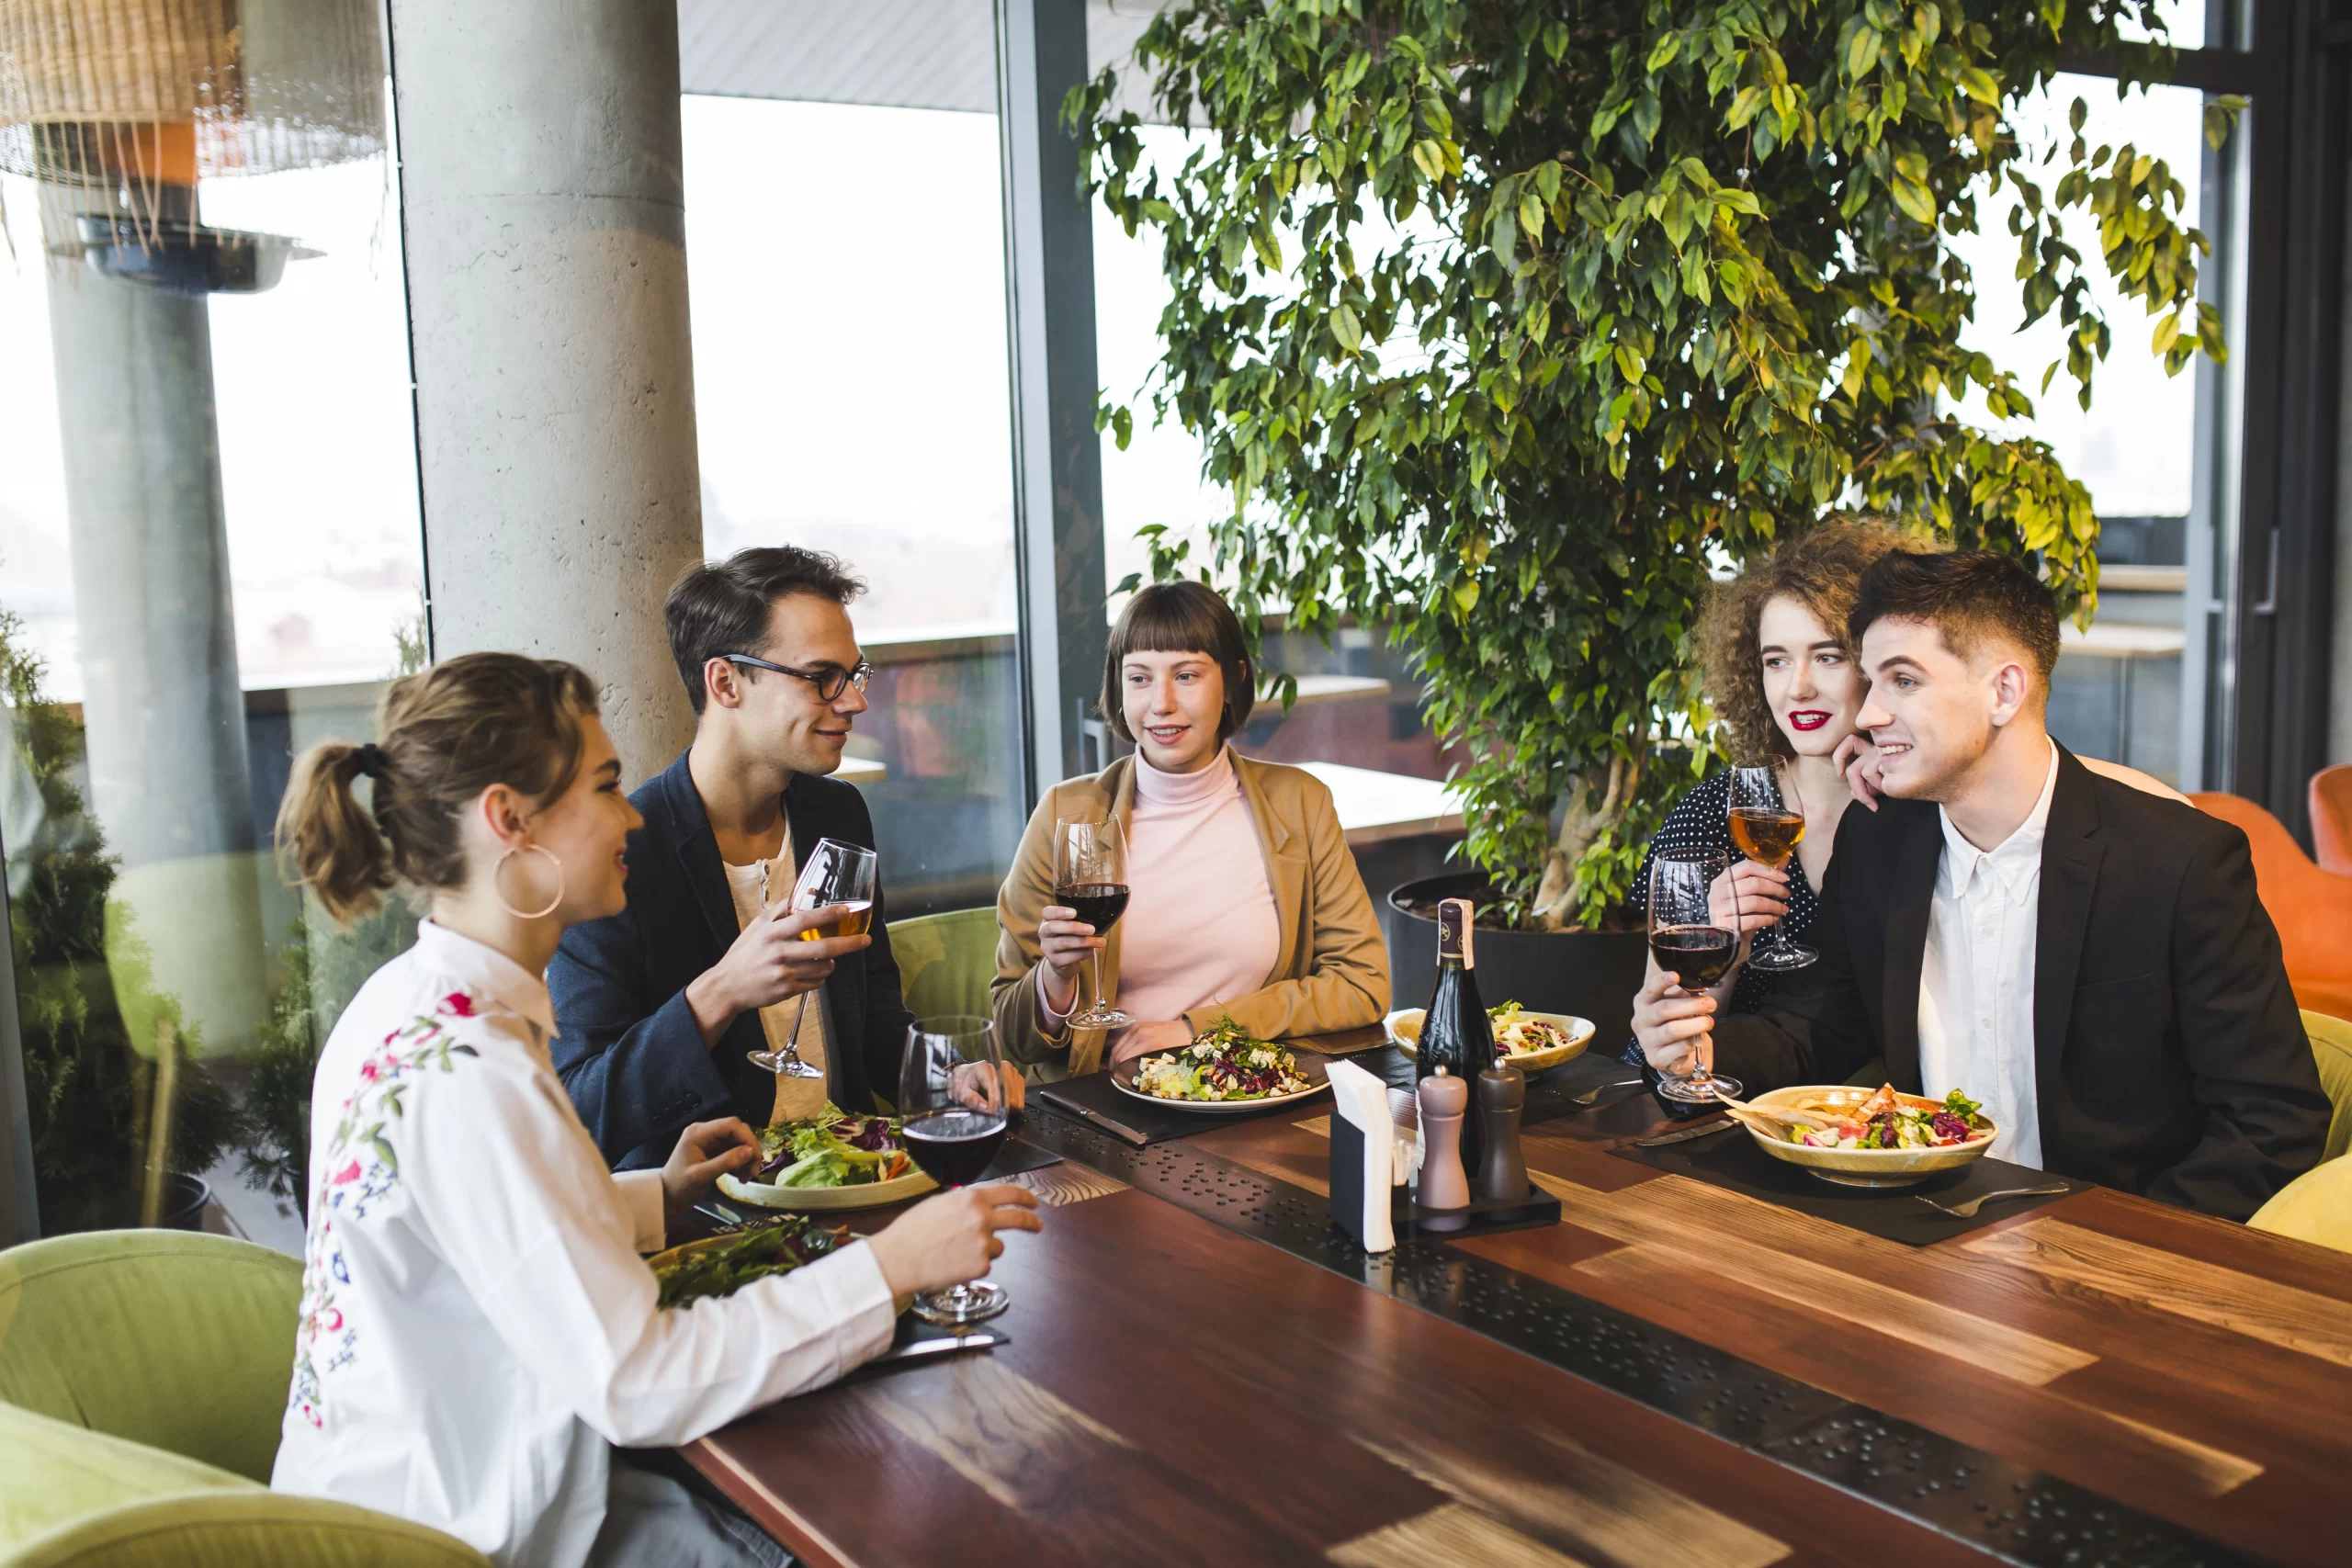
500 893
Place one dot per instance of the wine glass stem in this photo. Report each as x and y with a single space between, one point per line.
1095 958
792 1041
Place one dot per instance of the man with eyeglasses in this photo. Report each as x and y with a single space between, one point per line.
659 1007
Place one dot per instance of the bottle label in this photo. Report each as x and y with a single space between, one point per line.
1454 931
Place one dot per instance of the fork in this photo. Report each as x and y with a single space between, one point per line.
1967 1209
1592 1096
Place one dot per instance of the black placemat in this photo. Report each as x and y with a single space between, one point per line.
1550 1093
1093 1096
1732 1160
1014 1156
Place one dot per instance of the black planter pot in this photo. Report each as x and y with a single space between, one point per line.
1593 975
184 1200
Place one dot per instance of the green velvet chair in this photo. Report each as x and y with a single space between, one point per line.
945 962
2332 1051
144 1374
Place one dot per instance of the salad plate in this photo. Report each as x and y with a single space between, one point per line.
1223 1073
1531 1041
831 1161
1847 1127
721 1265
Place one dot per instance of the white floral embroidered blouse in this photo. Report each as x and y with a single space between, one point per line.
476 1322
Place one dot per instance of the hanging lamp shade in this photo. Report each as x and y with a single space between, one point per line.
146 92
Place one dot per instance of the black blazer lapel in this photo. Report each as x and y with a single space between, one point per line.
1911 890
698 861
2071 853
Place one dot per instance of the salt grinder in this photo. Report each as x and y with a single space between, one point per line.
1445 1191
1503 1098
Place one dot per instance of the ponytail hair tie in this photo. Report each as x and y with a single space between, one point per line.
371 761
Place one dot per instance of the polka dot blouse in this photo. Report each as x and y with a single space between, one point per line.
1701 820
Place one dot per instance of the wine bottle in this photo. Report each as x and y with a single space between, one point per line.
1455 1032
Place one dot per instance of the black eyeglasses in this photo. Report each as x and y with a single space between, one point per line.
830 680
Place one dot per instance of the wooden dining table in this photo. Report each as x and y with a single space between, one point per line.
1201 1368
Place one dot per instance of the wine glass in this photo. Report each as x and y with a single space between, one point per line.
1091 878
951 1105
1688 945
1767 833
836 873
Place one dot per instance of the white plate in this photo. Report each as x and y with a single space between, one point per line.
1860 1168
1311 1067
1405 1028
818 1200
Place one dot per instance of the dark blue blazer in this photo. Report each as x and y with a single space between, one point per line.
627 1043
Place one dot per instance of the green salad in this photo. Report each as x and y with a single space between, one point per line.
1225 1063
830 1149
730 1263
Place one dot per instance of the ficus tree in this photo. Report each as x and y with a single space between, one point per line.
1505 323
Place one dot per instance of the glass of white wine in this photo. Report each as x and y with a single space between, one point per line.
1768 832
838 873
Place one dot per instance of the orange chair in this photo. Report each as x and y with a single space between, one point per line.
2311 908
2332 818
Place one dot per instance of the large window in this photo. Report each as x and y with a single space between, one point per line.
209 557
852 395
2118 694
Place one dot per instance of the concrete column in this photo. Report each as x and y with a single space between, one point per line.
164 714
543 213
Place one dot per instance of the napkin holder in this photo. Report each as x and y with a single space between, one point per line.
1363 1157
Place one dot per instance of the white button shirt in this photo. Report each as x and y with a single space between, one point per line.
477 1323
1976 977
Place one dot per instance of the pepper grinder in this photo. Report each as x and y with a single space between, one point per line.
1503 1098
1445 1191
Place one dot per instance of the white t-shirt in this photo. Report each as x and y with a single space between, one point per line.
477 1324
753 887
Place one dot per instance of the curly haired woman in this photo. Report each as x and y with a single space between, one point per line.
1786 687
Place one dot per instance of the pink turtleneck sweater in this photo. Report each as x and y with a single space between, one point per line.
1200 926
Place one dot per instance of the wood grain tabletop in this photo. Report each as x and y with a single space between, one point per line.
2099 1380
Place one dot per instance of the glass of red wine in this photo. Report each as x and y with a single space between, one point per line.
1688 945
1768 832
1091 879
952 1117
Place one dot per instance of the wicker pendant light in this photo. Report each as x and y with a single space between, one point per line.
143 99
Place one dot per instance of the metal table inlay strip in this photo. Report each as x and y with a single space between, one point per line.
2001 1507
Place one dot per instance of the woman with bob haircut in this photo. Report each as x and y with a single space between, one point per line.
478 1331
1245 902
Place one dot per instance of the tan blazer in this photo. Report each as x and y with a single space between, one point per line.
1330 970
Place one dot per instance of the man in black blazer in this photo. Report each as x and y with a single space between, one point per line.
658 1007
2132 1011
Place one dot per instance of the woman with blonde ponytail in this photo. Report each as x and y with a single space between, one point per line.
478 1326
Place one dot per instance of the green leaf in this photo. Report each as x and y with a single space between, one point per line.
1861 51
1466 594
1345 327
1915 202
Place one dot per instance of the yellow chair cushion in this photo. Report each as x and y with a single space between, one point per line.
177 1339
243 1529
2332 1050
2316 1206
945 962
53 1472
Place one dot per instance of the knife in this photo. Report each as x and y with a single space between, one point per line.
1118 1130
939 1344
1707 1131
